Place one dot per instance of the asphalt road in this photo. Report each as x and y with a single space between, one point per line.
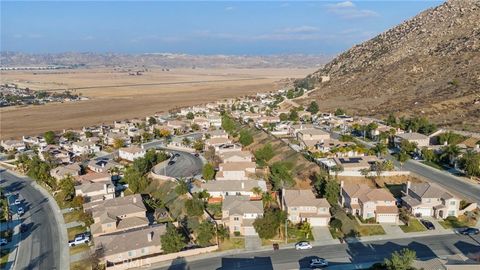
185 166
39 247
340 256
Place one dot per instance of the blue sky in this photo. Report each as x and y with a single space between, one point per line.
196 27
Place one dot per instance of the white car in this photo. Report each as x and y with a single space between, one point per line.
20 211
3 241
318 263
17 201
303 245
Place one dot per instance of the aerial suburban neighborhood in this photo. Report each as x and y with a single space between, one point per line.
240 135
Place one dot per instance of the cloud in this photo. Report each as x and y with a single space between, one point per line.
299 29
229 8
157 38
287 34
348 10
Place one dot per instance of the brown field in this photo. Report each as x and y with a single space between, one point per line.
115 95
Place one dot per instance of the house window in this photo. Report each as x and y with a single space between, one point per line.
294 209
143 251
236 228
236 218
452 202
109 225
451 213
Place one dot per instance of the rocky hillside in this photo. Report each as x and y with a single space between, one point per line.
428 65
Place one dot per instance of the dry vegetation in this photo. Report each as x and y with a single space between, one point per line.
115 95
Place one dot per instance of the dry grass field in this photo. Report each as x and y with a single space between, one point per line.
115 95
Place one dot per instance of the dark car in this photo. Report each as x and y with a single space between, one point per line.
171 162
470 231
276 246
429 225
23 228
318 263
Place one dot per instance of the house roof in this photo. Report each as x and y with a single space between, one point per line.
92 187
118 206
412 136
132 149
236 166
387 209
220 140
240 205
243 154
134 239
429 190
365 194
303 197
314 131
92 177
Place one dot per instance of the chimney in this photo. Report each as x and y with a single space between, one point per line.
150 236
243 185
135 199
408 187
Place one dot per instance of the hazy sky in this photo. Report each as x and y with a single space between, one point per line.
196 27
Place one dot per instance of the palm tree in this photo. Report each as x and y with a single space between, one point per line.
365 172
305 229
337 169
257 191
267 200
450 152
380 149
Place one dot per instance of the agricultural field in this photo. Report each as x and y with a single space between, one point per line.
115 95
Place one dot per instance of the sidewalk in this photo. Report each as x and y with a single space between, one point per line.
13 245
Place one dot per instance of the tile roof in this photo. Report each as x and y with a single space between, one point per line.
240 205
303 197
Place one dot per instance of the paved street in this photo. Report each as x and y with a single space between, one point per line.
340 256
43 246
186 165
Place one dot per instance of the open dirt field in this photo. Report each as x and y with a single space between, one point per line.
115 95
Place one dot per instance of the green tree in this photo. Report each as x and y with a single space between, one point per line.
337 169
181 188
428 154
205 233
70 136
88 134
49 137
365 172
264 154
449 153
246 137
293 115
208 172
380 149
172 241
190 115
340 111
194 207
268 225
195 127
67 185
283 117
332 191
228 124
391 120
313 107
198 145
281 175
401 260
152 121
470 163
118 143
267 200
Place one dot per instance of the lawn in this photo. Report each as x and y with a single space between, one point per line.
72 216
75 230
81 265
414 226
370 230
460 222
432 164
232 243
79 249
350 226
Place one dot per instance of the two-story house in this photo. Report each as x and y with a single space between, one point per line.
239 213
219 189
236 156
412 137
430 200
302 205
235 170
367 202
310 137
95 191
117 214
131 153
85 147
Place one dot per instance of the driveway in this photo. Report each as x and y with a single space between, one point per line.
392 229
438 227
321 233
252 242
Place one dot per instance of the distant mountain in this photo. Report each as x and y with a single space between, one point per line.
163 60
428 65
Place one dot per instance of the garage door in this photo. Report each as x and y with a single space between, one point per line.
318 221
387 218
249 231
424 212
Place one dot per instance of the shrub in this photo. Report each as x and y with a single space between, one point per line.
236 233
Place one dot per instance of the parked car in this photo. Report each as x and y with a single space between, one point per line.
303 245
318 263
429 225
3 241
470 231
23 228
20 211
82 239
171 162
276 246
17 202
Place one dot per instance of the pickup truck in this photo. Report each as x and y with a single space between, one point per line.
81 239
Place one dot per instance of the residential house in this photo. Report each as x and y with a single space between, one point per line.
34 141
202 122
367 202
310 137
219 189
449 262
111 137
302 205
102 165
412 137
216 142
117 248
55 153
430 200
85 147
352 164
61 172
117 214
13 145
239 213
227 147
235 170
236 156
218 133
131 153
95 191
94 177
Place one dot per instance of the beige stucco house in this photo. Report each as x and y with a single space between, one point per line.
239 213
302 205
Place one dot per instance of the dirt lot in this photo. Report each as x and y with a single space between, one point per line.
115 95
